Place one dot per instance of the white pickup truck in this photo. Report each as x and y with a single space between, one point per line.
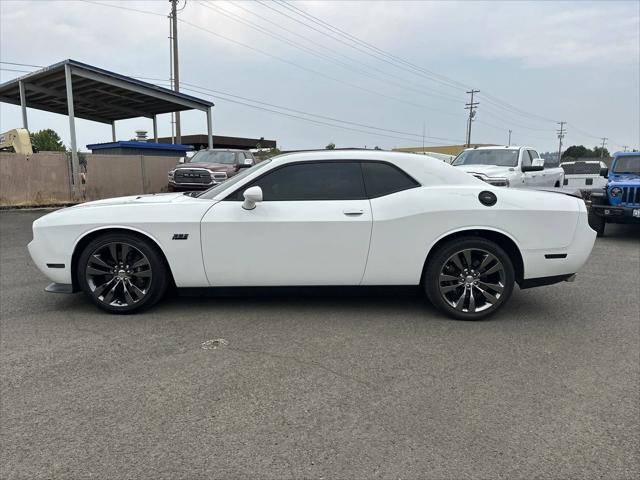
509 167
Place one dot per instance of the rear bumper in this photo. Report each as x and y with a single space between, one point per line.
560 263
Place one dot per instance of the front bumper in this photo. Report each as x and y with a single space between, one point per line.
617 213
191 186
54 265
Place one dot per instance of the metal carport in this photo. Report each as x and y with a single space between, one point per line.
79 90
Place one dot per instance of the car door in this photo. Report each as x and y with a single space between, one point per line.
530 179
313 227
540 179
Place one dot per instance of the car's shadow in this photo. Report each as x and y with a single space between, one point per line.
408 303
627 233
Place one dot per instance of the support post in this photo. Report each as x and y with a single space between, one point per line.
75 165
155 129
23 105
113 131
209 128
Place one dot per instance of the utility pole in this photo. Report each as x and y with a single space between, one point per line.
424 127
471 106
604 142
561 133
175 66
509 138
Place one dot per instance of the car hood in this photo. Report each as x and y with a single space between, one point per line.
625 178
488 170
132 199
216 167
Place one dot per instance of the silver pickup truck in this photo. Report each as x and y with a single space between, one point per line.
509 167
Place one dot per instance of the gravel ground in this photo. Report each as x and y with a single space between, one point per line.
377 386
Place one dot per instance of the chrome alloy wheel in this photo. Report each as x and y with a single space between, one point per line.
472 280
118 274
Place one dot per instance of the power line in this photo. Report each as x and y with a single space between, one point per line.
333 37
444 80
323 117
433 76
315 72
14 70
325 57
124 8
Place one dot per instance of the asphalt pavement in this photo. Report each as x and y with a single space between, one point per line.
334 387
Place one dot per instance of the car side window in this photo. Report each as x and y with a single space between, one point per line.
534 154
526 158
312 181
383 179
248 159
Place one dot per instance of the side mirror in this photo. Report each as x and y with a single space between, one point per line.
245 164
181 160
538 162
532 168
252 195
604 172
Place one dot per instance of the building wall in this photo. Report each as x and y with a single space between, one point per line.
44 178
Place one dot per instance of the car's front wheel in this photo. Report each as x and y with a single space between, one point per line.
122 273
469 278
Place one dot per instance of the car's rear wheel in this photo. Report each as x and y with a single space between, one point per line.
122 273
469 278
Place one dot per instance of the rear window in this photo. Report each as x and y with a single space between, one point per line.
383 179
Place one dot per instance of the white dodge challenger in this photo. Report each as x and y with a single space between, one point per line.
330 218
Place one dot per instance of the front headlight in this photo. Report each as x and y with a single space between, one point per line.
616 192
171 173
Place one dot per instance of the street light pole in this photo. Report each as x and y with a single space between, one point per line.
176 68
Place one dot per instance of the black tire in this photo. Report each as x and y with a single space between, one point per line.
597 223
490 291
134 280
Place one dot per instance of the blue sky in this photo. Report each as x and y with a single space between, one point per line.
572 61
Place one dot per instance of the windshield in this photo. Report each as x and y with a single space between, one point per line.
627 164
502 158
214 191
213 156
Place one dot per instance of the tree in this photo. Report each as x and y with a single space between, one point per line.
598 150
331 146
577 151
267 153
47 141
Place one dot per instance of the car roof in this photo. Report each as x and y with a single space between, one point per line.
425 169
626 154
500 147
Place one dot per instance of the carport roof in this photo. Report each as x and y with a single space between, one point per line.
98 95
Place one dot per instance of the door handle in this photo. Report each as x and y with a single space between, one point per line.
353 213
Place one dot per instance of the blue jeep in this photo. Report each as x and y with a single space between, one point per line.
619 201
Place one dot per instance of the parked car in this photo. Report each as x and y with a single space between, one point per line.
327 218
208 168
619 200
584 174
509 167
